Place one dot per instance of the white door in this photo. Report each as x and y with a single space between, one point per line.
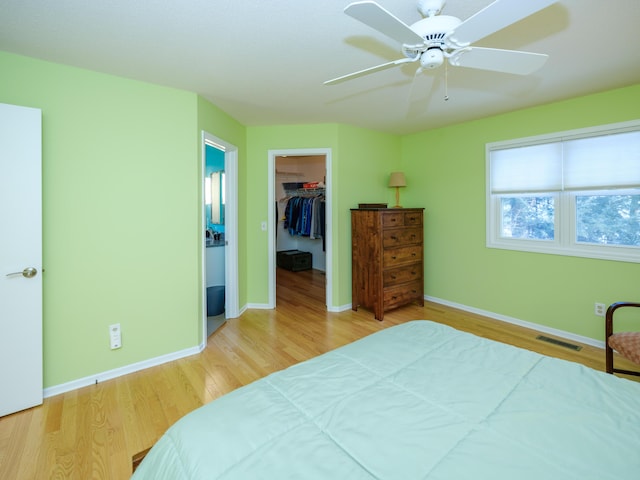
20 258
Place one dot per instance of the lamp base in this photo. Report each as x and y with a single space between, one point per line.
397 205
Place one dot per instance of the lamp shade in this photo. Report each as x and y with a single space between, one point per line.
397 180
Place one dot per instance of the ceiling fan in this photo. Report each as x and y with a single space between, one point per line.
438 37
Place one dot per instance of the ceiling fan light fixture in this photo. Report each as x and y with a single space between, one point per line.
432 58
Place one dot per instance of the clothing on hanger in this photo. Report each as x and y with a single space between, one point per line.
305 216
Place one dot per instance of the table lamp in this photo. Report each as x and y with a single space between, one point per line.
397 180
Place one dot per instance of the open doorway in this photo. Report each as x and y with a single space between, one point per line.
300 182
219 234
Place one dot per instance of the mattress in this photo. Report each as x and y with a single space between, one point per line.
419 400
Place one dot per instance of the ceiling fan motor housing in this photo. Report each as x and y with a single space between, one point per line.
434 29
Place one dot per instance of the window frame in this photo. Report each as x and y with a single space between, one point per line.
565 224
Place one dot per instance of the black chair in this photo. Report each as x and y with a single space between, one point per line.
627 344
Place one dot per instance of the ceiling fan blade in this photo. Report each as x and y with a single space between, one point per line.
375 16
367 71
494 17
497 60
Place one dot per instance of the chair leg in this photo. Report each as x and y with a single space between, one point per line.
608 358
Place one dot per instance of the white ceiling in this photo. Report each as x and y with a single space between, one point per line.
264 61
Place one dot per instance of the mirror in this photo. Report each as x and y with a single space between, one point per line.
215 197
214 187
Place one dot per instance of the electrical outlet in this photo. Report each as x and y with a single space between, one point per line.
115 336
600 309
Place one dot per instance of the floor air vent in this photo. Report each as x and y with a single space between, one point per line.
559 342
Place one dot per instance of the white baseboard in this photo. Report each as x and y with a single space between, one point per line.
260 306
118 372
339 308
522 323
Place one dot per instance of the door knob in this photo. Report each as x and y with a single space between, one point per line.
28 272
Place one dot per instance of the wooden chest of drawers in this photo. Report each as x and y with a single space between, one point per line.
387 258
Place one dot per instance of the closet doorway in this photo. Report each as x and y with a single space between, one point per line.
300 180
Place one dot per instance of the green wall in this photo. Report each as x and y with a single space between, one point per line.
361 162
366 160
446 171
120 215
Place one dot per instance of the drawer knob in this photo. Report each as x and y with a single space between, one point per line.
393 277
393 258
393 237
413 254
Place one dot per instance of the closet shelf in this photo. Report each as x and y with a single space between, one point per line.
305 191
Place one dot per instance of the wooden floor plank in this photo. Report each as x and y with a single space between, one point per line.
95 431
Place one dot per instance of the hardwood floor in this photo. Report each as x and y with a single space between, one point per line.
93 432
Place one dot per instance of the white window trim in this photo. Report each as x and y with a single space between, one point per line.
563 243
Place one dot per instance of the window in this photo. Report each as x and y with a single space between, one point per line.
572 193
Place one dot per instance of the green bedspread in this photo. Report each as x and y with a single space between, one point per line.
416 401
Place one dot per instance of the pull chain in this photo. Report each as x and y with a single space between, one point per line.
446 81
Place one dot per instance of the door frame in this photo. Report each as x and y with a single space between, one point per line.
231 301
326 152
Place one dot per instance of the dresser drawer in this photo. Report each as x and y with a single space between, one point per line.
413 218
401 236
401 219
402 255
402 294
405 274
392 219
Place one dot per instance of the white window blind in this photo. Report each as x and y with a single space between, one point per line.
588 163
533 168
607 161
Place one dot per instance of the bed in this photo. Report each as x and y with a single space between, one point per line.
419 400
